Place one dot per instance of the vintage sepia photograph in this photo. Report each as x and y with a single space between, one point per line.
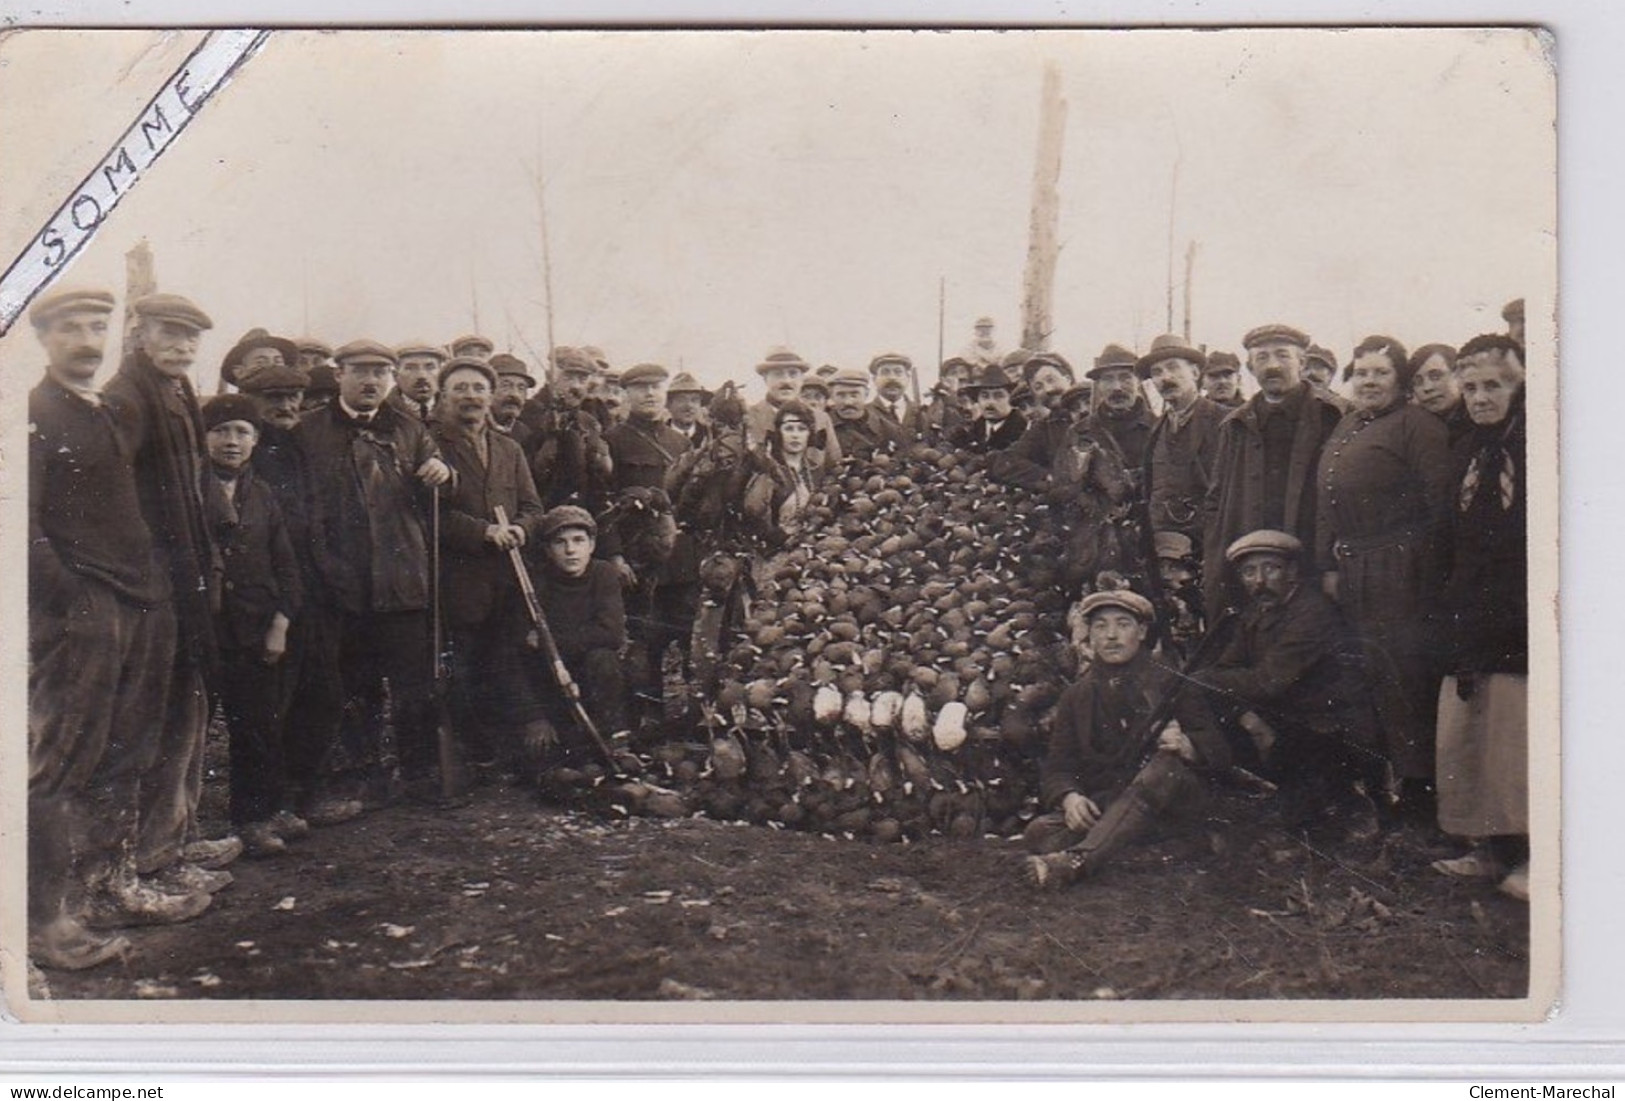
779 525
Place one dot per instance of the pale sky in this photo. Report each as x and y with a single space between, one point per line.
710 195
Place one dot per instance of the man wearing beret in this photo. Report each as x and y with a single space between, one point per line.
1180 453
157 411
781 371
997 426
891 372
1128 747
1292 680
860 428
416 373
491 702
569 459
101 631
374 471
1268 453
1221 380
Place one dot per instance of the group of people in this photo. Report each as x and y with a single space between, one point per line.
356 554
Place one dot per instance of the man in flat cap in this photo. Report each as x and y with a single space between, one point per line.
493 709
1180 454
686 400
569 459
417 372
369 514
1221 380
1267 457
1319 369
157 411
514 384
101 631
860 428
1291 679
473 346
313 353
1128 749
892 374
257 351
781 371
983 350
997 426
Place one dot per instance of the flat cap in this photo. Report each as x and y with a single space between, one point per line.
323 380
1172 544
364 351
1125 599
1033 362
811 382
231 364
1219 362
511 366
1078 395
570 359
1016 359
1113 357
850 376
596 354
1323 355
68 300
954 363
567 516
422 348
471 340
1275 334
686 383
1169 346
312 345
467 363
890 357
990 377
781 357
222 408
287 377
172 307
1512 311
984 322
644 373
1261 541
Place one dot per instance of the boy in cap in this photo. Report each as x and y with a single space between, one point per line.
260 603
1113 770
100 631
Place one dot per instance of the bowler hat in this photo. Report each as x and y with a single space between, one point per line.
172 307
467 363
271 379
230 407
68 300
364 351
1169 346
990 377
781 357
231 364
567 516
644 372
1274 334
1125 599
1264 540
1114 357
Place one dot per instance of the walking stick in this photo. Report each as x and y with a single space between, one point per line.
451 777
550 651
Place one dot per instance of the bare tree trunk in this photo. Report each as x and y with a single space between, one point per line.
1038 286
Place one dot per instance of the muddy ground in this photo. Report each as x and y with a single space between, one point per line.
509 898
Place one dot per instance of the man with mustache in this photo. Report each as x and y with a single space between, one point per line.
1221 380
101 630
369 503
782 371
686 400
861 429
493 709
891 372
1268 453
569 459
157 412
1179 455
416 378
1121 414
997 426
257 351
514 384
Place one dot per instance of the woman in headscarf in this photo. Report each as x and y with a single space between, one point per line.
1383 508
778 495
1483 749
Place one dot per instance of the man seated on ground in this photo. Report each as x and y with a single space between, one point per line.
581 598
1292 680
1110 773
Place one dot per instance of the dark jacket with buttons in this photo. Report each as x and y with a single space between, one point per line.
262 574
477 578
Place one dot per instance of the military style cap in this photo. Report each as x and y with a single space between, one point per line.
1219 362
230 407
172 307
272 379
686 383
984 322
510 366
1264 540
365 351
890 357
1125 599
68 300
990 377
467 363
568 359
1114 357
1169 346
231 364
470 340
568 516
1512 311
1172 544
850 376
644 372
422 348
1274 334
311 344
781 357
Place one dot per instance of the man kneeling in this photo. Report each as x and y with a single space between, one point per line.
1096 774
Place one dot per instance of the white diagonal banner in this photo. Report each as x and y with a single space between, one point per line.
202 74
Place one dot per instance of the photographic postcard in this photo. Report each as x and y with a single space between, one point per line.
805 785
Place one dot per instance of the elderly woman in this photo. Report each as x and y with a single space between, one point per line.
1483 705
1383 508
1434 388
777 495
